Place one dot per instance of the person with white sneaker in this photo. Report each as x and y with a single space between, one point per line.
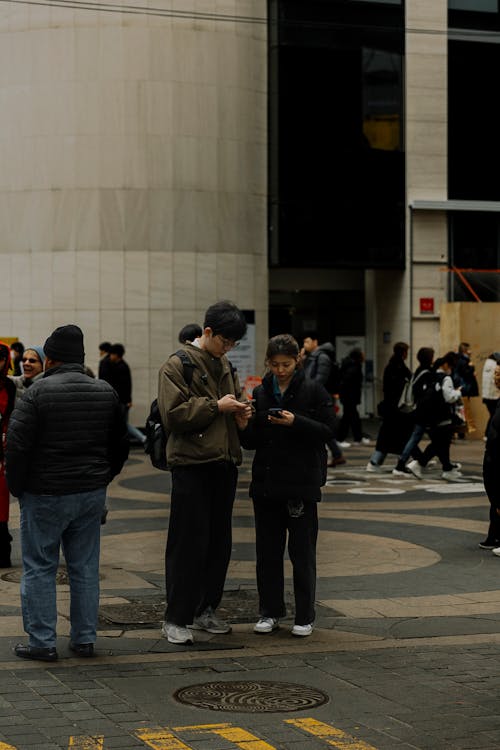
491 476
294 418
203 450
434 410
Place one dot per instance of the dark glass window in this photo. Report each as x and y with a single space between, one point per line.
336 134
473 134
475 251
474 14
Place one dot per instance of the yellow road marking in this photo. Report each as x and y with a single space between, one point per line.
160 738
340 739
240 737
4 746
86 743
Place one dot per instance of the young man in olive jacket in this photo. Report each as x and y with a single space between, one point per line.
203 449
67 439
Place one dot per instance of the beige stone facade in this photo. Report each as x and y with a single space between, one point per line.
132 172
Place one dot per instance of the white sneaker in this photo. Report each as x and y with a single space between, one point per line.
403 473
176 633
496 551
266 625
363 441
373 468
452 475
415 469
344 444
303 630
210 623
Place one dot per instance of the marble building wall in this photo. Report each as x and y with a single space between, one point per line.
132 173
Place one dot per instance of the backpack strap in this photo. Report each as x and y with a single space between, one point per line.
187 365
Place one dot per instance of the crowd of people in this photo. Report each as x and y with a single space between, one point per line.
65 435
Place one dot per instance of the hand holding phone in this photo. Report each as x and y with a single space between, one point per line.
275 411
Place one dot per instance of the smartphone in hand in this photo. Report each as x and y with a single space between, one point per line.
275 411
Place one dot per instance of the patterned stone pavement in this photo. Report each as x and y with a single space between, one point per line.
407 643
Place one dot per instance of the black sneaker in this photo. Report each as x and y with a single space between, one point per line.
489 544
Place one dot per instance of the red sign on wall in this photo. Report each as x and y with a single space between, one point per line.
427 305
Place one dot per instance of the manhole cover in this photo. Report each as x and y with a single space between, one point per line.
251 697
62 578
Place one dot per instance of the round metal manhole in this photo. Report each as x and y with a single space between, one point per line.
252 697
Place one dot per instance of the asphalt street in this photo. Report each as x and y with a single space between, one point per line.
405 653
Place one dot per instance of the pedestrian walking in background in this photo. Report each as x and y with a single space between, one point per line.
423 378
294 418
66 441
203 449
464 377
189 333
397 425
104 348
490 392
491 476
117 374
435 410
16 355
7 399
319 365
32 361
351 381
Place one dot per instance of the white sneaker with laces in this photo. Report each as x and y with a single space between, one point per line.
373 468
452 474
303 630
266 625
344 444
210 623
415 469
403 473
365 441
496 551
176 633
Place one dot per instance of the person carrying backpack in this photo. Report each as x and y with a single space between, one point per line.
434 410
422 378
320 365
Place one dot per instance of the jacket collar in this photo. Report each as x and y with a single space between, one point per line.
65 367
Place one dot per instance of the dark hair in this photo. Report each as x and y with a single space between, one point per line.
463 346
283 343
400 349
450 358
356 355
225 319
425 355
105 346
18 347
313 335
190 332
117 349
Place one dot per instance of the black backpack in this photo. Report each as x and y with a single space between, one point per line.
155 444
431 407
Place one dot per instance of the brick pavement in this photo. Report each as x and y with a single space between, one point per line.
407 645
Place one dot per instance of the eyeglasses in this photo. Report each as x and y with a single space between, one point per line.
31 360
227 343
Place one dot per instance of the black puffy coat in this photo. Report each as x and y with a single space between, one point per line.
66 435
290 462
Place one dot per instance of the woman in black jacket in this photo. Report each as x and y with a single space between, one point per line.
294 418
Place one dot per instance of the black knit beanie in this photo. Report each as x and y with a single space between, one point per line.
65 344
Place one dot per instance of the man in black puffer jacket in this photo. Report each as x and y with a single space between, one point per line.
67 439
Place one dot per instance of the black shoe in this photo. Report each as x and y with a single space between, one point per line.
338 461
34 652
82 649
489 544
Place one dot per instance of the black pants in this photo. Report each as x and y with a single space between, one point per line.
349 419
272 522
439 446
199 538
492 486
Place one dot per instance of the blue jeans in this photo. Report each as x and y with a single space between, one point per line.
416 437
47 523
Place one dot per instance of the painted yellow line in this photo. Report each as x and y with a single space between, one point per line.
331 735
4 746
86 743
240 737
160 738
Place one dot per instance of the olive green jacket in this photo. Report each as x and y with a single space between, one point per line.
199 433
